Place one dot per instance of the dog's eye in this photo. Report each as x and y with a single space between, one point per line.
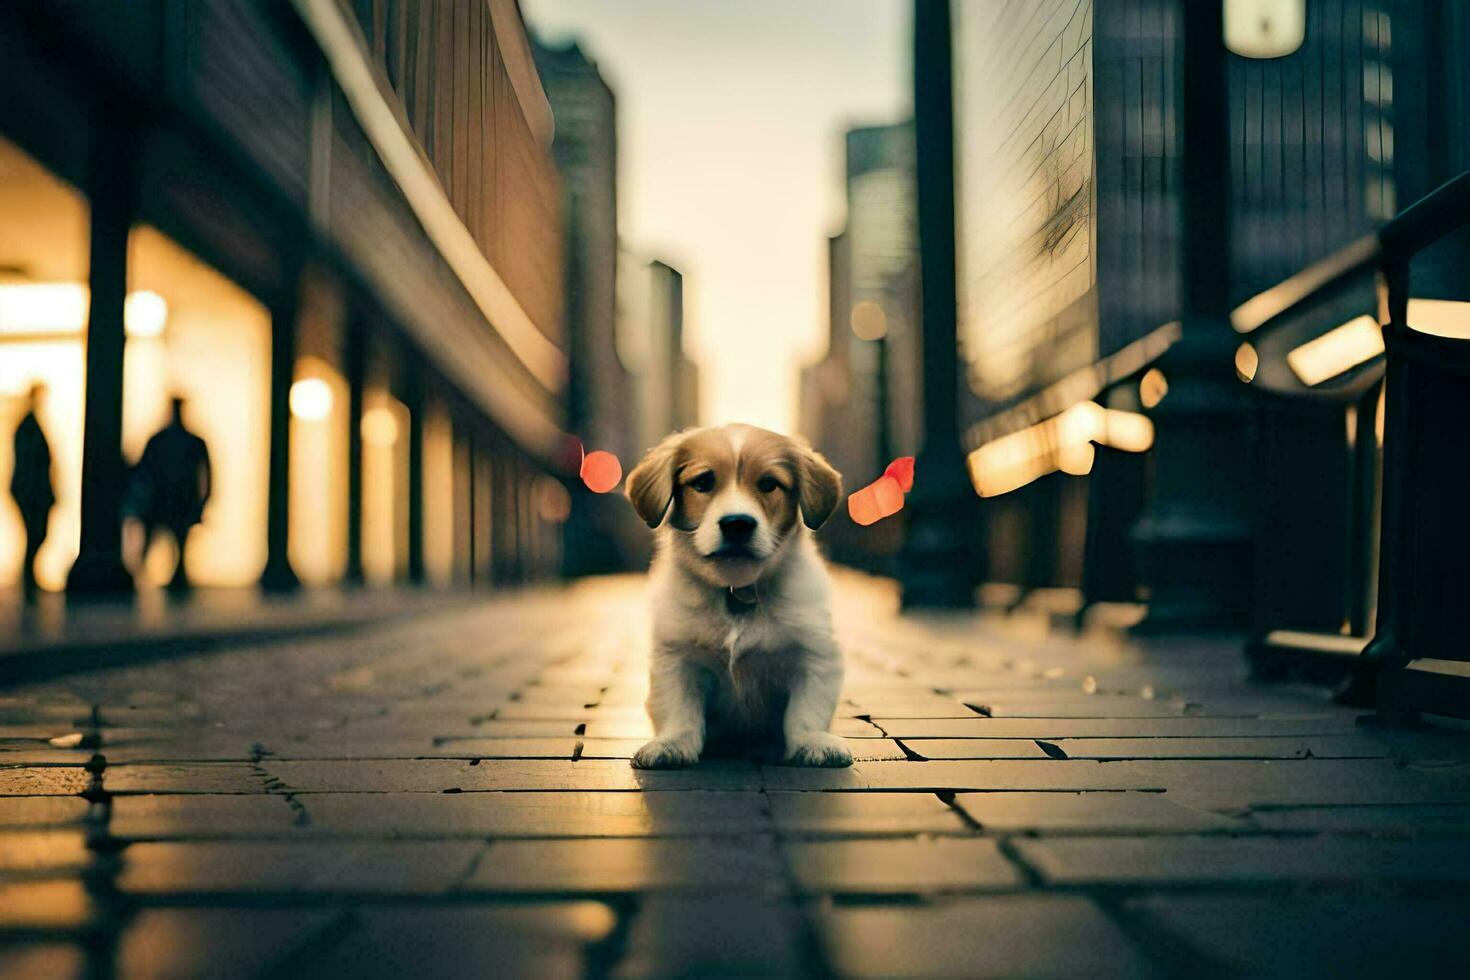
703 483
768 484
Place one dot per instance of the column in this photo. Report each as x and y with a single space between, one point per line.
355 356
465 552
278 575
1042 500
504 554
413 390
1194 538
1115 490
941 557
487 554
99 569
355 365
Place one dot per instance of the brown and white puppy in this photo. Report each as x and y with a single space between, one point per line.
742 632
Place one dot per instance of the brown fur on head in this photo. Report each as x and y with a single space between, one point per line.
709 481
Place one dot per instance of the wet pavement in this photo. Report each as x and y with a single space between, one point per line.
450 795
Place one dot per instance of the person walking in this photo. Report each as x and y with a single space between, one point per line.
30 485
172 485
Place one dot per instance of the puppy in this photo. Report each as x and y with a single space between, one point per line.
742 633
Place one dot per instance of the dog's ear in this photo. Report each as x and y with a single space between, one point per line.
819 486
650 486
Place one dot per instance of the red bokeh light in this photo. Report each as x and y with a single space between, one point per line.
902 470
601 471
879 499
884 496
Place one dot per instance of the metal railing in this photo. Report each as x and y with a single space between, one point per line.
1418 657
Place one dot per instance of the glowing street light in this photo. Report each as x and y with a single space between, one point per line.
43 307
60 309
1063 442
311 399
144 314
1440 317
1340 349
1265 28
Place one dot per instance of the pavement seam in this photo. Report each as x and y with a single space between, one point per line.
474 865
811 951
909 753
275 786
1029 875
111 908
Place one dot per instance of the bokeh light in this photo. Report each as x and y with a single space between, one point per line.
902 470
144 314
601 471
62 308
879 499
1246 363
884 496
311 399
379 427
1152 387
869 322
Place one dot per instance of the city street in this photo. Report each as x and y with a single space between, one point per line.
450 795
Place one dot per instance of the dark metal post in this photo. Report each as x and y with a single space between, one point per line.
502 518
1115 495
278 575
413 384
488 550
523 564
99 568
1043 502
1388 650
466 504
940 559
356 358
1194 540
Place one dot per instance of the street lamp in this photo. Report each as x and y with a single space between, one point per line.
1265 28
941 560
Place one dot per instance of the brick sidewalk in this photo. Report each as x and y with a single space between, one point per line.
451 796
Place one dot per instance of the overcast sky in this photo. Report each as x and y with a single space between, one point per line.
730 115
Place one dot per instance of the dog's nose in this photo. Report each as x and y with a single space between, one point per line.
737 528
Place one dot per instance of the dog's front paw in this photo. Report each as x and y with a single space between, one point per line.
667 753
818 749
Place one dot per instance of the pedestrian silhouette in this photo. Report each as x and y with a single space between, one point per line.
30 485
171 485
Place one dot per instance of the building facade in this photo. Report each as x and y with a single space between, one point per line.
1105 232
1073 192
651 339
860 403
585 149
344 222
605 401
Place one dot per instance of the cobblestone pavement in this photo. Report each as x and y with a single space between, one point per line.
451 796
